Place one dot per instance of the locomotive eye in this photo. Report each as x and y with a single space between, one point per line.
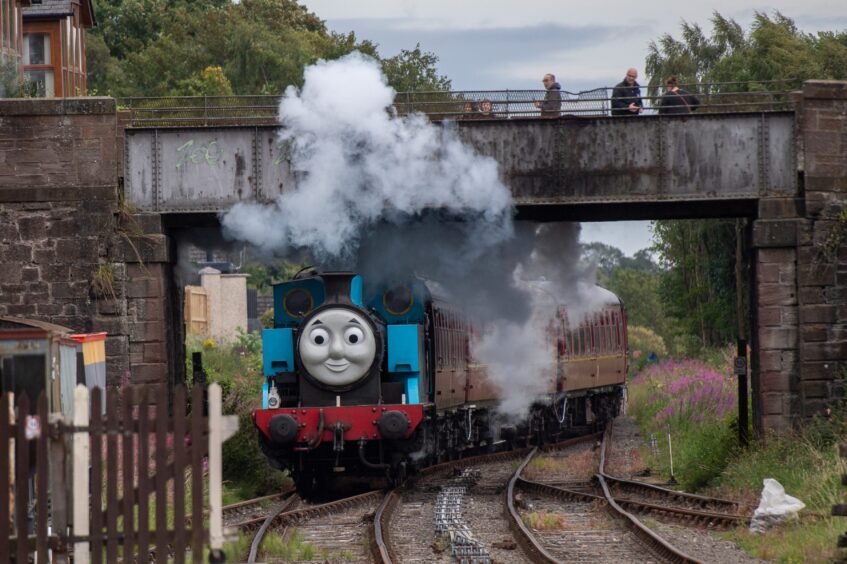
354 335
319 336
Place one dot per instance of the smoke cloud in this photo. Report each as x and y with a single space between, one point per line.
390 196
362 167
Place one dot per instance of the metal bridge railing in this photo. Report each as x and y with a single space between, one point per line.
723 97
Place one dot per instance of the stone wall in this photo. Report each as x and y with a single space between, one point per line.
822 251
70 254
801 270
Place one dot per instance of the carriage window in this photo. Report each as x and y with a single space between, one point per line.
598 338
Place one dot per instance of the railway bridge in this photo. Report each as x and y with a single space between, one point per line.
91 209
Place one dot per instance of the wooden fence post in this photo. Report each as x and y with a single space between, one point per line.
59 493
81 460
220 429
6 472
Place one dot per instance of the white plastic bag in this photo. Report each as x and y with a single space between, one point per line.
775 507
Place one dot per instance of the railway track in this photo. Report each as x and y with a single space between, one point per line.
238 513
684 508
338 530
466 497
598 521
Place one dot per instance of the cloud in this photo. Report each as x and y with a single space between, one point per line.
489 58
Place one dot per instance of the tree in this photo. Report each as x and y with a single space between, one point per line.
210 82
163 48
698 285
414 70
773 49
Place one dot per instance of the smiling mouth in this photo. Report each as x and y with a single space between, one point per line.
337 366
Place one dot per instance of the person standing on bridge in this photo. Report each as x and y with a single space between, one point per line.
551 107
675 100
626 96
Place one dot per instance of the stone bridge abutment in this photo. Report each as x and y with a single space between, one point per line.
800 296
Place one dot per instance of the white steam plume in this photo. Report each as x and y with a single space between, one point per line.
364 167
520 353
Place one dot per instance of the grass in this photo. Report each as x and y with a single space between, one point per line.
810 469
578 465
709 460
545 520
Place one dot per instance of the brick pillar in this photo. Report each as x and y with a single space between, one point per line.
142 245
822 257
776 337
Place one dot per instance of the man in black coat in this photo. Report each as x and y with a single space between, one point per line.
626 96
675 100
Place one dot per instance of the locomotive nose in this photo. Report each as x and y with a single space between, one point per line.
282 428
393 424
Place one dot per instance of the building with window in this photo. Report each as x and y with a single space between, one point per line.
11 30
53 51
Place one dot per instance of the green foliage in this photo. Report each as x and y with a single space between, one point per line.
211 81
163 48
414 71
639 291
809 468
263 276
695 402
701 452
238 370
642 342
11 83
772 49
267 319
698 287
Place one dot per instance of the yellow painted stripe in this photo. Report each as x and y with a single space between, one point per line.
94 352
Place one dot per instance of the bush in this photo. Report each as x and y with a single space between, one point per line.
696 402
237 369
267 319
810 470
643 342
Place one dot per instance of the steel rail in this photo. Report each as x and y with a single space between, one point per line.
381 545
706 504
260 534
525 538
523 535
697 517
295 516
717 505
532 547
660 546
236 508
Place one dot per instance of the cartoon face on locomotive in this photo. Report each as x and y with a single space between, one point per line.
365 381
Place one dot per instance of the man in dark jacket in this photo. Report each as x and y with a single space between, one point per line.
551 107
626 97
675 100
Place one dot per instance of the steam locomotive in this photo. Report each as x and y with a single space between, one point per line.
379 380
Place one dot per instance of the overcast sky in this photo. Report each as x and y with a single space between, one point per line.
500 44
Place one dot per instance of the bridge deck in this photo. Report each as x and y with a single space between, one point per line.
565 162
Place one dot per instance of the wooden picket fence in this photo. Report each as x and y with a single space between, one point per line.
127 465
